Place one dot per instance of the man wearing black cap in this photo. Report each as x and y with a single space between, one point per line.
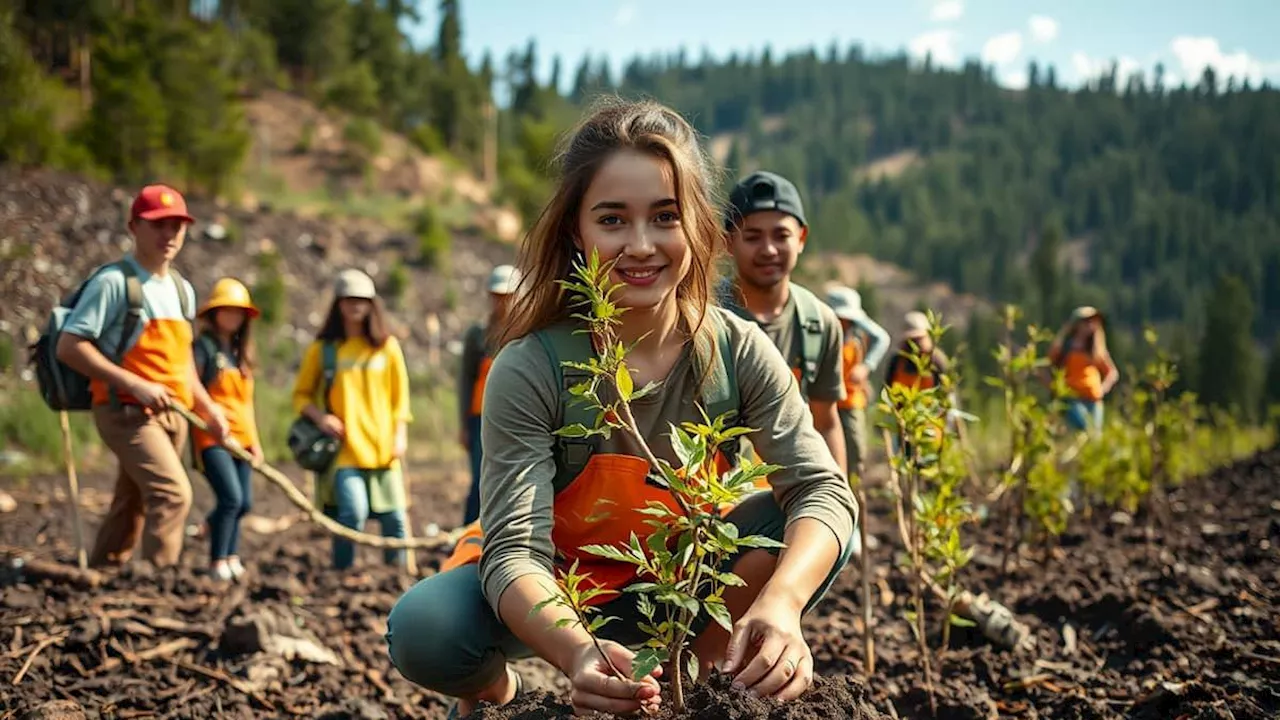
767 233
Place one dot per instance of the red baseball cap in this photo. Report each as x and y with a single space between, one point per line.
156 202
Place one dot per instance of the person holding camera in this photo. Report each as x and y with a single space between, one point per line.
357 369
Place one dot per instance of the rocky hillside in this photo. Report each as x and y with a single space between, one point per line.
56 227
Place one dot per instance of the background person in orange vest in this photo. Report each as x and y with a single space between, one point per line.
225 358
367 408
865 345
132 394
1080 349
766 232
903 370
633 188
477 355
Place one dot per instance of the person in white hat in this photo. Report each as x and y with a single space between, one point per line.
903 370
865 345
478 350
354 385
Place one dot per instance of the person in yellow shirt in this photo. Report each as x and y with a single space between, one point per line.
1080 350
225 359
367 409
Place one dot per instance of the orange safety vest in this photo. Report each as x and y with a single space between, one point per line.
477 389
1082 374
609 484
231 388
851 355
907 374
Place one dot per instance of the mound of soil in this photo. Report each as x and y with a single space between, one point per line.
841 697
1178 623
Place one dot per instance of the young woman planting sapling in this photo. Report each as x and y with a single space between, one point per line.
225 358
634 188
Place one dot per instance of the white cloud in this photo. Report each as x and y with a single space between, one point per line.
1014 79
1044 29
1002 49
946 10
1086 68
1194 54
626 13
940 44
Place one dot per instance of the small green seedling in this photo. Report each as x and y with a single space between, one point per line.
680 566
929 477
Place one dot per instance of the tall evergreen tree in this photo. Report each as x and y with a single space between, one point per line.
1228 360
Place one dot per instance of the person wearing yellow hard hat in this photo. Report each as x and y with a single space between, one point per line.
1080 351
225 360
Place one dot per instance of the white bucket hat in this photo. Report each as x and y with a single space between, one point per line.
504 280
846 302
353 283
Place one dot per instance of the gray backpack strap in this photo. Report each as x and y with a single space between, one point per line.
563 343
132 318
809 327
720 388
184 298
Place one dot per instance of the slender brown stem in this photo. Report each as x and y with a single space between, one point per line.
865 566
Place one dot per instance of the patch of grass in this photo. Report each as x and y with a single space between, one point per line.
29 426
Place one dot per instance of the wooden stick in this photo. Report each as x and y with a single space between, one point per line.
46 642
864 560
73 489
58 572
299 499
411 557
151 653
226 679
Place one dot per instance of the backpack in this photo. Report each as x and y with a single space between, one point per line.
61 386
213 362
809 316
312 448
563 344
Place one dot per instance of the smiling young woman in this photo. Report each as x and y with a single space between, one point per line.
634 188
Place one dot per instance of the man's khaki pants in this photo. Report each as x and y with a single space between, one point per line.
152 494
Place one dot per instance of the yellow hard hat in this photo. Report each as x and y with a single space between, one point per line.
229 293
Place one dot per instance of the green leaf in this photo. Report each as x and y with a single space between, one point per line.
690 451
599 622
566 622
608 552
646 661
760 541
693 666
576 430
730 580
624 382
719 613
958 621
648 389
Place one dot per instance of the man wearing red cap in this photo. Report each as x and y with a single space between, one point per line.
130 333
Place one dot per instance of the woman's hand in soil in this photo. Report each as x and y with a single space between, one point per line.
768 652
596 688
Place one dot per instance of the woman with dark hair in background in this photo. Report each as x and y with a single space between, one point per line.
366 406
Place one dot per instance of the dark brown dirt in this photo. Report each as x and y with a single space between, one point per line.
1179 625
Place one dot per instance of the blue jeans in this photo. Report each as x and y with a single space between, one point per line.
351 494
476 453
232 482
1084 415
443 634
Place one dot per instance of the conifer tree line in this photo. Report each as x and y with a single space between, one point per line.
1159 203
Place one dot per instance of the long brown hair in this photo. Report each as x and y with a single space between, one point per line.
243 347
376 327
1065 341
548 250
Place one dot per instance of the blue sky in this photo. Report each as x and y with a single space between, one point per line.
1079 37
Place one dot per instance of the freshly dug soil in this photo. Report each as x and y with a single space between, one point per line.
840 697
1181 623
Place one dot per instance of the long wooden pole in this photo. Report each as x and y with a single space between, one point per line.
73 489
411 558
297 497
